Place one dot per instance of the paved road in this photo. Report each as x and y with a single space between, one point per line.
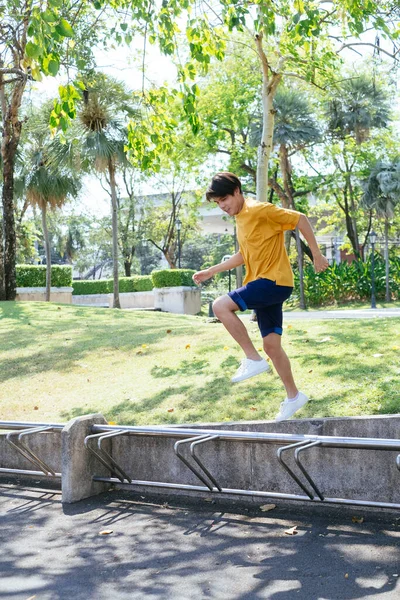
191 551
368 313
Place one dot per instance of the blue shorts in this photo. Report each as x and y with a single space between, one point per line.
266 298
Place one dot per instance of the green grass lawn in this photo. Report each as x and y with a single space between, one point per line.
60 361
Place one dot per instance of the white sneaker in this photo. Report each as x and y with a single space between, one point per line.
248 368
289 408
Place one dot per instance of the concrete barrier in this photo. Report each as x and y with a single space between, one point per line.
127 299
339 473
38 294
182 300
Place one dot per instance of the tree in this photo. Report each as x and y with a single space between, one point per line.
358 106
382 193
34 40
48 188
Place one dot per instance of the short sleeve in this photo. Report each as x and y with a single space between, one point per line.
283 217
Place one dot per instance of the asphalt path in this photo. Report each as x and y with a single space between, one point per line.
367 313
123 546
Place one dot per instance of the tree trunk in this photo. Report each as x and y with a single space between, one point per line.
11 132
286 169
128 268
269 86
387 295
239 269
47 251
114 208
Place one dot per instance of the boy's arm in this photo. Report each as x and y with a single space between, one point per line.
235 261
320 261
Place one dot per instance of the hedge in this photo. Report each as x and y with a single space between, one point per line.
137 283
173 278
345 282
35 276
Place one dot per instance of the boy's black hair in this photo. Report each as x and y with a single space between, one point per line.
223 184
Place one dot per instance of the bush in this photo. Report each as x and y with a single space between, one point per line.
35 276
346 282
173 278
137 283
92 286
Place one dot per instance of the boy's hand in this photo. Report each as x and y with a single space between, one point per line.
320 263
201 276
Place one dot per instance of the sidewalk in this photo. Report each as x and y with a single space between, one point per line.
367 313
188 551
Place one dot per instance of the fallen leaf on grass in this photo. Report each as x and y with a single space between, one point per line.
226 347
112 422
187 346
139 352
169 330
289 327
357 519
106 532
267 507
170 410
310 371
35 408
291 530
253 408
144 346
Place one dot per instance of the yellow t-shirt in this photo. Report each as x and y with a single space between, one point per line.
260 227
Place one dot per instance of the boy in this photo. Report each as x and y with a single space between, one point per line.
268 283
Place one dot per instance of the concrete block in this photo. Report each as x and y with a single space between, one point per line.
78 464
182 300
63 295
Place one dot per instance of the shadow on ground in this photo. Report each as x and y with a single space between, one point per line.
190 550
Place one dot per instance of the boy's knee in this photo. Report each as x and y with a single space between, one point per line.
217 305
271 346
221 305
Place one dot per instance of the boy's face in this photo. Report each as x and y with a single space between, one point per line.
231 204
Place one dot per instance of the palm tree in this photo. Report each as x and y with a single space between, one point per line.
102 137
48 188
382 193
358 105
295 128
41 181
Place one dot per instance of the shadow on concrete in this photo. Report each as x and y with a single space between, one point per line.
186 550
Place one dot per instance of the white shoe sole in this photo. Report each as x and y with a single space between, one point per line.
262 369
298 407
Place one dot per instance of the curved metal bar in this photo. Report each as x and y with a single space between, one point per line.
26 452
289 470
201 465
99 456
303 469
398 462
30 452
108 455
187 463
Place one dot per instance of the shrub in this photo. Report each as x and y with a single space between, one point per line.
137 283
345 282
172 278
35 276
92 286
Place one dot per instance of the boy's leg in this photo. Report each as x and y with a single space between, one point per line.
273 347
225 310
